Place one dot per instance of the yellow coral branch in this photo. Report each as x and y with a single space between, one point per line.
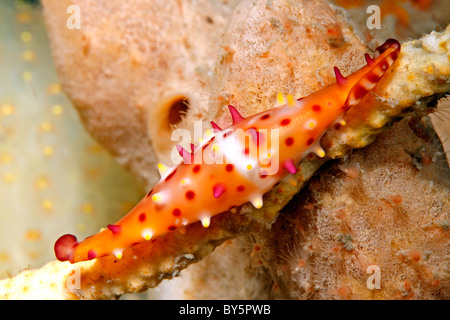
422 70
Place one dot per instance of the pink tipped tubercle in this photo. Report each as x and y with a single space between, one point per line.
187 156
235 115
115 229
92 254
369 60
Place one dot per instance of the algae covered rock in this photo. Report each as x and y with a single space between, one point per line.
135 68
51 170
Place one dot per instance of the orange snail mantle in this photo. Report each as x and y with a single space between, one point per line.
196 189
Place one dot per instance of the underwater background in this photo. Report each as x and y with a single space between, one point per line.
56 179
51 170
